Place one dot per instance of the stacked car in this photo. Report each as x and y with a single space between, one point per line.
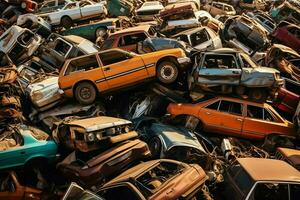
162 100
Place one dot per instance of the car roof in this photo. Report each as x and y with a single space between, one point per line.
137 170
132 29
238 100
225 50
190 31
262 169
292 155
96 123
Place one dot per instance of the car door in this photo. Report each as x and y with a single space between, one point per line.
88 9
218 69
122 68
259 122
223 117
201 40
72 10
129 42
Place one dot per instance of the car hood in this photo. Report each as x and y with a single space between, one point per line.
176 136
266 70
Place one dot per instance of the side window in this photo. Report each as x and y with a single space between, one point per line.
120 192
183 38
268 116
270 191
199 37
50 4
295 31
62 47
84 3
255 112
227 8
82 64
294 191
214 106
220 61
219 6
243 180
6 183
70 6
231 107
111 57
107 44
132 39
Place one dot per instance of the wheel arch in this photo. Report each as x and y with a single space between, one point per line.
85 80
167 58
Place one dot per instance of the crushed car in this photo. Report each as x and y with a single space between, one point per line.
156 179
19 43
232 71
57 49
88 170
94 133
201 38
244 33
148 11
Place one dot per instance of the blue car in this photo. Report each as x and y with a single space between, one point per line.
22 144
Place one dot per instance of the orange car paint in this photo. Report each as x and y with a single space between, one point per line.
121 74
234 124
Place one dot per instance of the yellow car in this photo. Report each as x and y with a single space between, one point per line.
82 77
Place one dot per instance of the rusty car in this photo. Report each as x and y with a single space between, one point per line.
259 178
232 71
88 170
93 133
157 179
291 156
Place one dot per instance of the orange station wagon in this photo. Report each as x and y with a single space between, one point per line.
83 77
234 117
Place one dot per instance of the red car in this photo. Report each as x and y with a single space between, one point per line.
286 101
289 35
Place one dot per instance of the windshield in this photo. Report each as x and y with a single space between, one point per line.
88 47
38 134
248 62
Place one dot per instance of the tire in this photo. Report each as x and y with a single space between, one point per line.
85 93
155 147
100 32
258 95
66 22
167 72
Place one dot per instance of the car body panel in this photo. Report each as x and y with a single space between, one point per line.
239 125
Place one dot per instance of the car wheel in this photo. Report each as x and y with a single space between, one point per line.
167 72
66 22
100 32
258 95
155 147
85 93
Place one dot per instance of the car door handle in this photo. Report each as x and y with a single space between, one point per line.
239 119
107 68
22 152
208 113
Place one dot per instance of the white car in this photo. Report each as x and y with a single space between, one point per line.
76 11
148 10
219 8
201 38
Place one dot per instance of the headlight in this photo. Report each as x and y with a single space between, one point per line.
90 137
127 129
111 131
99 136
37 95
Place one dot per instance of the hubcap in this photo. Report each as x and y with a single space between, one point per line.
167 72
85 93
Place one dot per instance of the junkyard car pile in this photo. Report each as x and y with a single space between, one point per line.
135 99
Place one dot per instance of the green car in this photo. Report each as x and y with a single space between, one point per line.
22 144
94 30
